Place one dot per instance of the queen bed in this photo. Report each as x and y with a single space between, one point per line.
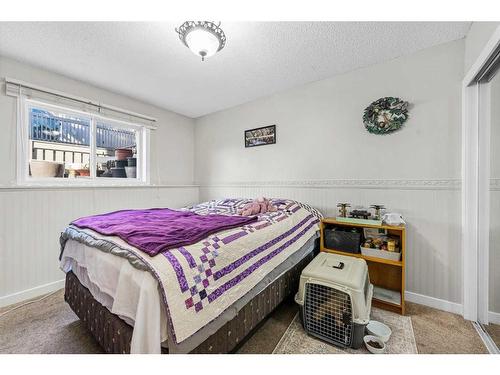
147 291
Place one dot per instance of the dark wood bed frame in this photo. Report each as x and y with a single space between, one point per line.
114 335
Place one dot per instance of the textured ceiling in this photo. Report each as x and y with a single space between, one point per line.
148 62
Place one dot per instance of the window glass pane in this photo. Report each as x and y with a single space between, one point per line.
116 150
59 144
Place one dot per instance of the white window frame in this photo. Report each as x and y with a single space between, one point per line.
24 151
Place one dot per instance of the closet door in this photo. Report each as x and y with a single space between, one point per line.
493 328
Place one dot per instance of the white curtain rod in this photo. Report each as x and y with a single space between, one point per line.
22 84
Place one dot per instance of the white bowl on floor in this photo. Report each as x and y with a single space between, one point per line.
369 338
379 329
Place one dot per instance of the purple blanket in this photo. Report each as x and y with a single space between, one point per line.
159 229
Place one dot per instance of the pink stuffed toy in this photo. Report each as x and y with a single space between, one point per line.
260 205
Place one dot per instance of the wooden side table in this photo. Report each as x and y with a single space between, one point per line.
386 275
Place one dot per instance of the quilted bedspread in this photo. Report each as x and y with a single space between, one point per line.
200 281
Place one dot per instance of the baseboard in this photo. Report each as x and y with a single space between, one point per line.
494 317
421 299
31 293
440 304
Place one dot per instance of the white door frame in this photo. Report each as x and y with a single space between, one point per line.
475 184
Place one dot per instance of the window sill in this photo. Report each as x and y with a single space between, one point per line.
85 181
77 186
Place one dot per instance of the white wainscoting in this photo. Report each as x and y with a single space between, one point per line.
32 220
494 317
430 207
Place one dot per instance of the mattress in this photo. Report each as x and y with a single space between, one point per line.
114 335
133 295
125 291
129 290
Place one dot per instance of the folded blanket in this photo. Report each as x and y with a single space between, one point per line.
157 230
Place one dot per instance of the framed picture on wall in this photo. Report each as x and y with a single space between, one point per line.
265 135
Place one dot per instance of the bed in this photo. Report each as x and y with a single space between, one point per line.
202 297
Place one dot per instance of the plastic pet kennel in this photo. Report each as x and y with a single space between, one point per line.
335 296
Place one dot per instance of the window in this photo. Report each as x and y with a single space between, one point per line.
68 146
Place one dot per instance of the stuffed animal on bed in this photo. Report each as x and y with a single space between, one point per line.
260 205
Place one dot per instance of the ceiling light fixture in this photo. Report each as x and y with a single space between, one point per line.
204 38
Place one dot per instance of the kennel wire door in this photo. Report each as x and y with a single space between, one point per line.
328 314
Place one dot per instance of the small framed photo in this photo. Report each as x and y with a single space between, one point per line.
265 135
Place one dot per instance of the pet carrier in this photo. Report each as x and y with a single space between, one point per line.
335 296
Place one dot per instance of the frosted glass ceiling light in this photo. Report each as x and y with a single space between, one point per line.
203 38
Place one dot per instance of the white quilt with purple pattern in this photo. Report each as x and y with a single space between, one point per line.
198 282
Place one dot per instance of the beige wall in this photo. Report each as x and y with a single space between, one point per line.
324 119
323 155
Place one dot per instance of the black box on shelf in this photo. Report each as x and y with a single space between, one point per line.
342 239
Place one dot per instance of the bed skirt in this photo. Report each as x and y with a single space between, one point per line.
114 335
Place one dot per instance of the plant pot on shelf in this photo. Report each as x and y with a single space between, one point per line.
123 153
118 172
121 163
132 162
107 173
131 172
44 168
83 172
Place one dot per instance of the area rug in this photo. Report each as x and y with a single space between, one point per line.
297 341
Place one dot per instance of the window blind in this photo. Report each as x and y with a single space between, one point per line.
18 88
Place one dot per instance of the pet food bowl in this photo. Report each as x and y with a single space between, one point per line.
379 329
374 344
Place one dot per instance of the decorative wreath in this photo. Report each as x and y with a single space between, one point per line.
385 115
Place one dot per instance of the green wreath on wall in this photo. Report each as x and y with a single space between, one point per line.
385 115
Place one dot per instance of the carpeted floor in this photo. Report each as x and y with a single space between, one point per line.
494 332
440 332
402 341
49 326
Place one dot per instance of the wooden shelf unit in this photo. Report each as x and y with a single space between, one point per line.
384 273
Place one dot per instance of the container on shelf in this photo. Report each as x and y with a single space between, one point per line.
131 162
352 220
83 172
342 239
131 172
44 168
123 153
120 163
118 172
384 254
387 295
